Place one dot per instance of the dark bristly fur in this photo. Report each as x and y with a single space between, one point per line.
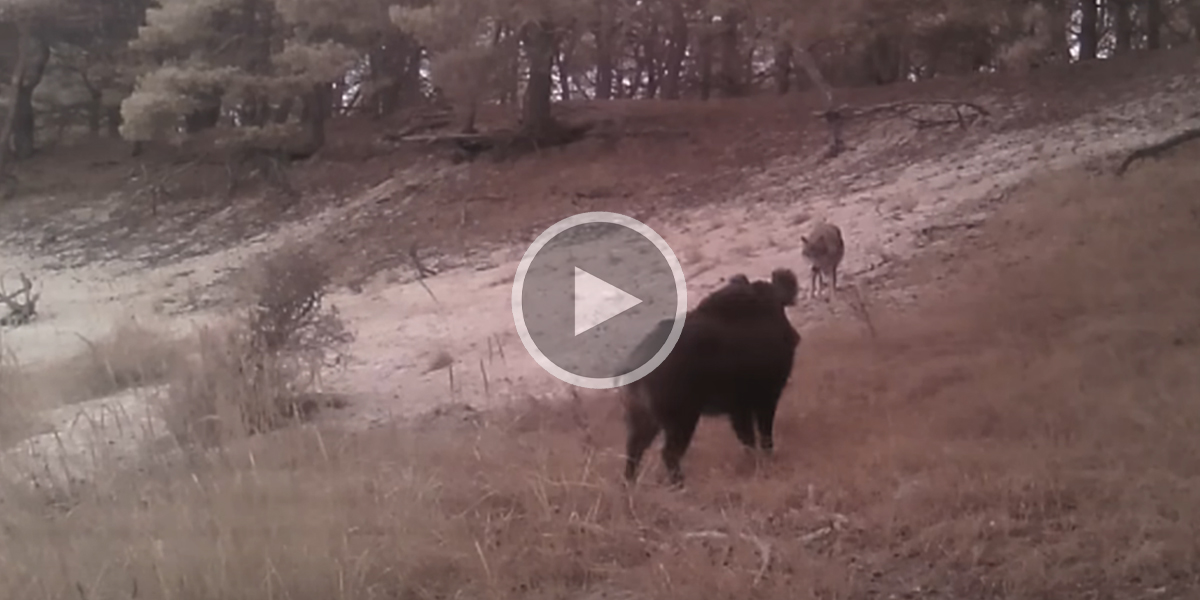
733 357
654 340
824 248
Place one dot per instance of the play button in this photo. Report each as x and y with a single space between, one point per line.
599 300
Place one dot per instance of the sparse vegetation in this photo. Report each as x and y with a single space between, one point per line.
1007 441
262 369
14 410
233 83
131 355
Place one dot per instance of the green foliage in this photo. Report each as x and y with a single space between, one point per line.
459 35
165 63
182 27
162 96
228 52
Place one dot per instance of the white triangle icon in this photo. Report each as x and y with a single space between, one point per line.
597 301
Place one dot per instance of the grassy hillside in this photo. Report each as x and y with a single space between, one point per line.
1029 431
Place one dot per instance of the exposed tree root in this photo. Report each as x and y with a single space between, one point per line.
964 113
1153 150
501 144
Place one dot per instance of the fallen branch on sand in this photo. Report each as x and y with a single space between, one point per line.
422 270
1153 150
418 124
502 143
433 138
965 112
20 311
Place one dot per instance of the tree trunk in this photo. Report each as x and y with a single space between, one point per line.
704 61
472 116
35 53
204 118
677 42
282 112
782 67
651 52
833 119
391 66
1154 24
604 33
1089 29
1060 17
536 119
113 120
619 83
317 111
1122 25
883 59
9 119
512 69
564 70
635 82
249 113
731 58
95 112
411 84
1193 16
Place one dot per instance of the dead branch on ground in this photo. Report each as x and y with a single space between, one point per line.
965 112
418 124
422 271
433 138
20 311
1154 150
502 143
835 117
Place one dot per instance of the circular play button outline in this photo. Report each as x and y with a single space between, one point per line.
599 383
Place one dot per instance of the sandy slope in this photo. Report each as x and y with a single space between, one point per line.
401 328
886 215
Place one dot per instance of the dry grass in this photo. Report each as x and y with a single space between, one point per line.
1036 435
261 370
15 406
130 355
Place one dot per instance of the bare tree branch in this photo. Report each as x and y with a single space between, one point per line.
1154 150
20 311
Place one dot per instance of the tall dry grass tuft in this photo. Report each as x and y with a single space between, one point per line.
15 409
263 368
1036 435
131 355
63 422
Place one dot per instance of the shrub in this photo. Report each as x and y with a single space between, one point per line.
263 369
